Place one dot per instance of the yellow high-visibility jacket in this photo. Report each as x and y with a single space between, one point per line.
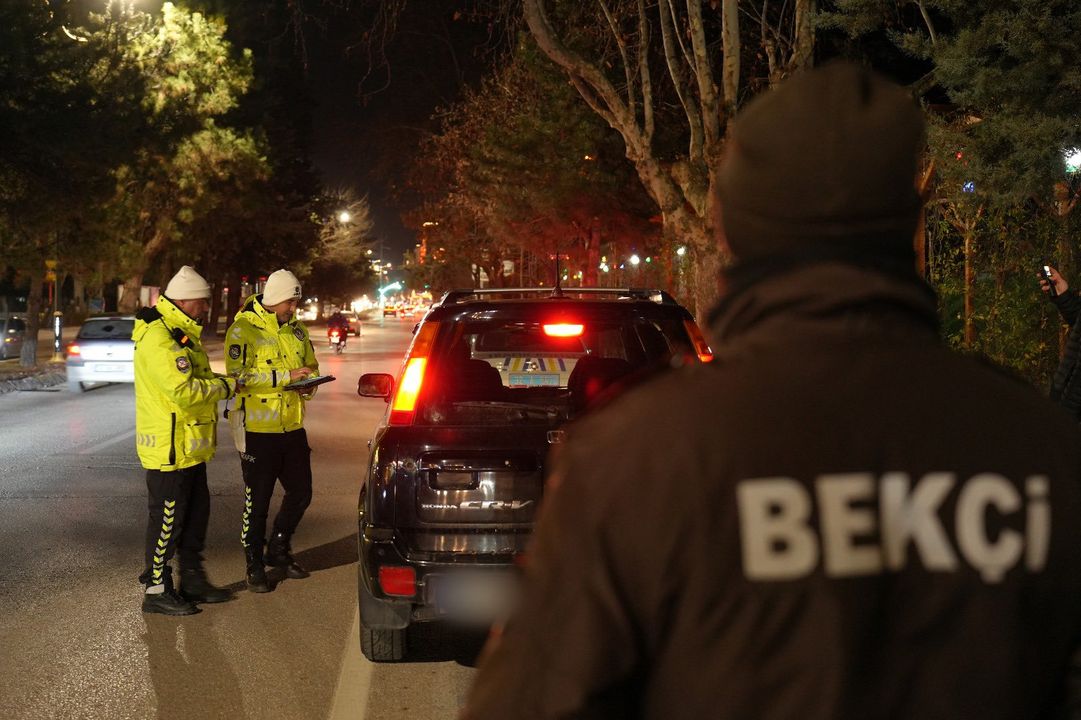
261 352
176 392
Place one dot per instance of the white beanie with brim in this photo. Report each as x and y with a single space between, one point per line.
187 285
282 285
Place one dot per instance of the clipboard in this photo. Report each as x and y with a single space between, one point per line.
309 382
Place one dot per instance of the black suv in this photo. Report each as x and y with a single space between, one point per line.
457 465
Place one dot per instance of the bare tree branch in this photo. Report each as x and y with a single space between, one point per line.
644 72
730 46
586 91
922 85
579 69
769 45
927 21
679 35
621 43
804 31
675 70
703 71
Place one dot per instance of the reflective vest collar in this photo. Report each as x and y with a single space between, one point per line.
259 315
176 318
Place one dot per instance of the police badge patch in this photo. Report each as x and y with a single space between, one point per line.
299 333
234 352
183 364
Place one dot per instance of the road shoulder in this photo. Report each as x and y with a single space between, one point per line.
354 679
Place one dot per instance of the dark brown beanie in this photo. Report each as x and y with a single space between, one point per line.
824 165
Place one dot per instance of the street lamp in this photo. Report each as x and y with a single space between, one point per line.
344 216
384 290
1072 157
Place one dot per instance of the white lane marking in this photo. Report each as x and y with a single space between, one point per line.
107 442
354 679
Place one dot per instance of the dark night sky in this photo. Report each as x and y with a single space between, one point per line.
364 139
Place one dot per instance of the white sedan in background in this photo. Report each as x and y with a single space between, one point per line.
102 352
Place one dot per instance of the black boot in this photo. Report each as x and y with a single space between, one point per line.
168 601
279 554
256 573
195 587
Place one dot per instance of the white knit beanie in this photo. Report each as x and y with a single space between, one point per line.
187 285
282 285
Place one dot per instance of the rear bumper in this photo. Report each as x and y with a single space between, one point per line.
88 371
435 571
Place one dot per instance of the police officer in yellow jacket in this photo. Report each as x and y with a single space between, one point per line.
176 418
267 349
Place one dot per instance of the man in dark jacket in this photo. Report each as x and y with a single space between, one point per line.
837 518
1066 382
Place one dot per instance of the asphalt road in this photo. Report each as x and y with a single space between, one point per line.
73 641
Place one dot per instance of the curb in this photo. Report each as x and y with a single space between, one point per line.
38 381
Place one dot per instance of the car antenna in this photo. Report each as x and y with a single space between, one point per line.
557 291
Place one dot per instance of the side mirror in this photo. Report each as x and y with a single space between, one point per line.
379 385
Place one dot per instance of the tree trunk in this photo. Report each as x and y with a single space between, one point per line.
78 300
211 329
682 192
731 50
803 52
708 263
920 243
29 355
593 253
130 301
970 286
232 307
134 283
925 189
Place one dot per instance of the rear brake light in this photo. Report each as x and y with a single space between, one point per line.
74 350
404 407
701 347
563 330
398 580
405 399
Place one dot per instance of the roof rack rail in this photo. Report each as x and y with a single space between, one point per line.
454 297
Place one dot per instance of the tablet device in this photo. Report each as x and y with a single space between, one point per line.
309 382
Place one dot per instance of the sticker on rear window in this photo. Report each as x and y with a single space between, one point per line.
534 380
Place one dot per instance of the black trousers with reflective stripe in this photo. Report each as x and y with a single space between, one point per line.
268 458
179 512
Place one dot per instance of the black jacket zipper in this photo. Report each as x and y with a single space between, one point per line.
172 441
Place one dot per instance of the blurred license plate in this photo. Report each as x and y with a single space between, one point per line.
473 596
108 367
534 379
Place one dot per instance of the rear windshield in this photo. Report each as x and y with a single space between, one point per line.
489 370
15 325
106 330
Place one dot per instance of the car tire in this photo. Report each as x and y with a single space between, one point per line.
382 645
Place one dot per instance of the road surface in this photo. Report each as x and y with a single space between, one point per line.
73 642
